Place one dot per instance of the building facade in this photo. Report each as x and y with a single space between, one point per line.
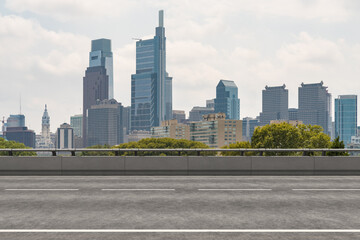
227 100
196 114
274 104
216 131
105 123
17 120
346 117
179 115
76 122
65 137
151 86
248 127
171 129
95 87
315 105
293 114
101 55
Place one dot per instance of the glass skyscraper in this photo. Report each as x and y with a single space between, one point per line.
346 117
151 86
101 55
274 104
227 100
315 105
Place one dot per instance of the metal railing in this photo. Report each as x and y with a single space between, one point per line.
198 151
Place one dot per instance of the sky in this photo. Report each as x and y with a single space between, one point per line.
45 45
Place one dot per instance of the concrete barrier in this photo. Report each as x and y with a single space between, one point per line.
30 165
180 165
275 165
157 165
94 165
208 165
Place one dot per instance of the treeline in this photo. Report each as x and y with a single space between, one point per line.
14 145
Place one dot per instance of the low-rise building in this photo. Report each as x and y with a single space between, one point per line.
171 129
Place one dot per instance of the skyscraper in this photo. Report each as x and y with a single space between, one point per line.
151 86
95 87
16 131
346 117
315 105
274 104
105 123
101 55
227 100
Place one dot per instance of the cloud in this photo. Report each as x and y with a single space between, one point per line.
44 67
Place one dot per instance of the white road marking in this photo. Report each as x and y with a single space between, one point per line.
234 189
179 230
41 189
137 189
327 189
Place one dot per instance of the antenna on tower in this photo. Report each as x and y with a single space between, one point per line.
20 103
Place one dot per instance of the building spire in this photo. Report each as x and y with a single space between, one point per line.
161 18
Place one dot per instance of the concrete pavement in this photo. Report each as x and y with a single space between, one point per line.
181 202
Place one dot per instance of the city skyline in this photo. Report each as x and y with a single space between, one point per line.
46 56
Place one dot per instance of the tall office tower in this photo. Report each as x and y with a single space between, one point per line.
227 100
248 127
346 117
105 123
179 115
151 86
17 120
210 103
196 114
315 105
16 131
274 104
95 87
76 124
293 114
65 136
101 55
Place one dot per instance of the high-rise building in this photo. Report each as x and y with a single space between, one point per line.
315 105
248 127
16 131
105 123
44 141
17 120
227 100
196 114
179 115
210 103
64 137
101 55
76 123
346 117
274 104
293 114
171 129
96 87
151 86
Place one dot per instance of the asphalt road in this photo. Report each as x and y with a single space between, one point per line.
181 204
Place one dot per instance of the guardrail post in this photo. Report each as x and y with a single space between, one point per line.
10 153
73 153
53 153
242 153
323 153
261 153
135 153
179 153
117 153
305 153
198 153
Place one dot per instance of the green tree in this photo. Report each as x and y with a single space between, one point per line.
336 143
93 153
163 143
237 145
14 145
285 135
